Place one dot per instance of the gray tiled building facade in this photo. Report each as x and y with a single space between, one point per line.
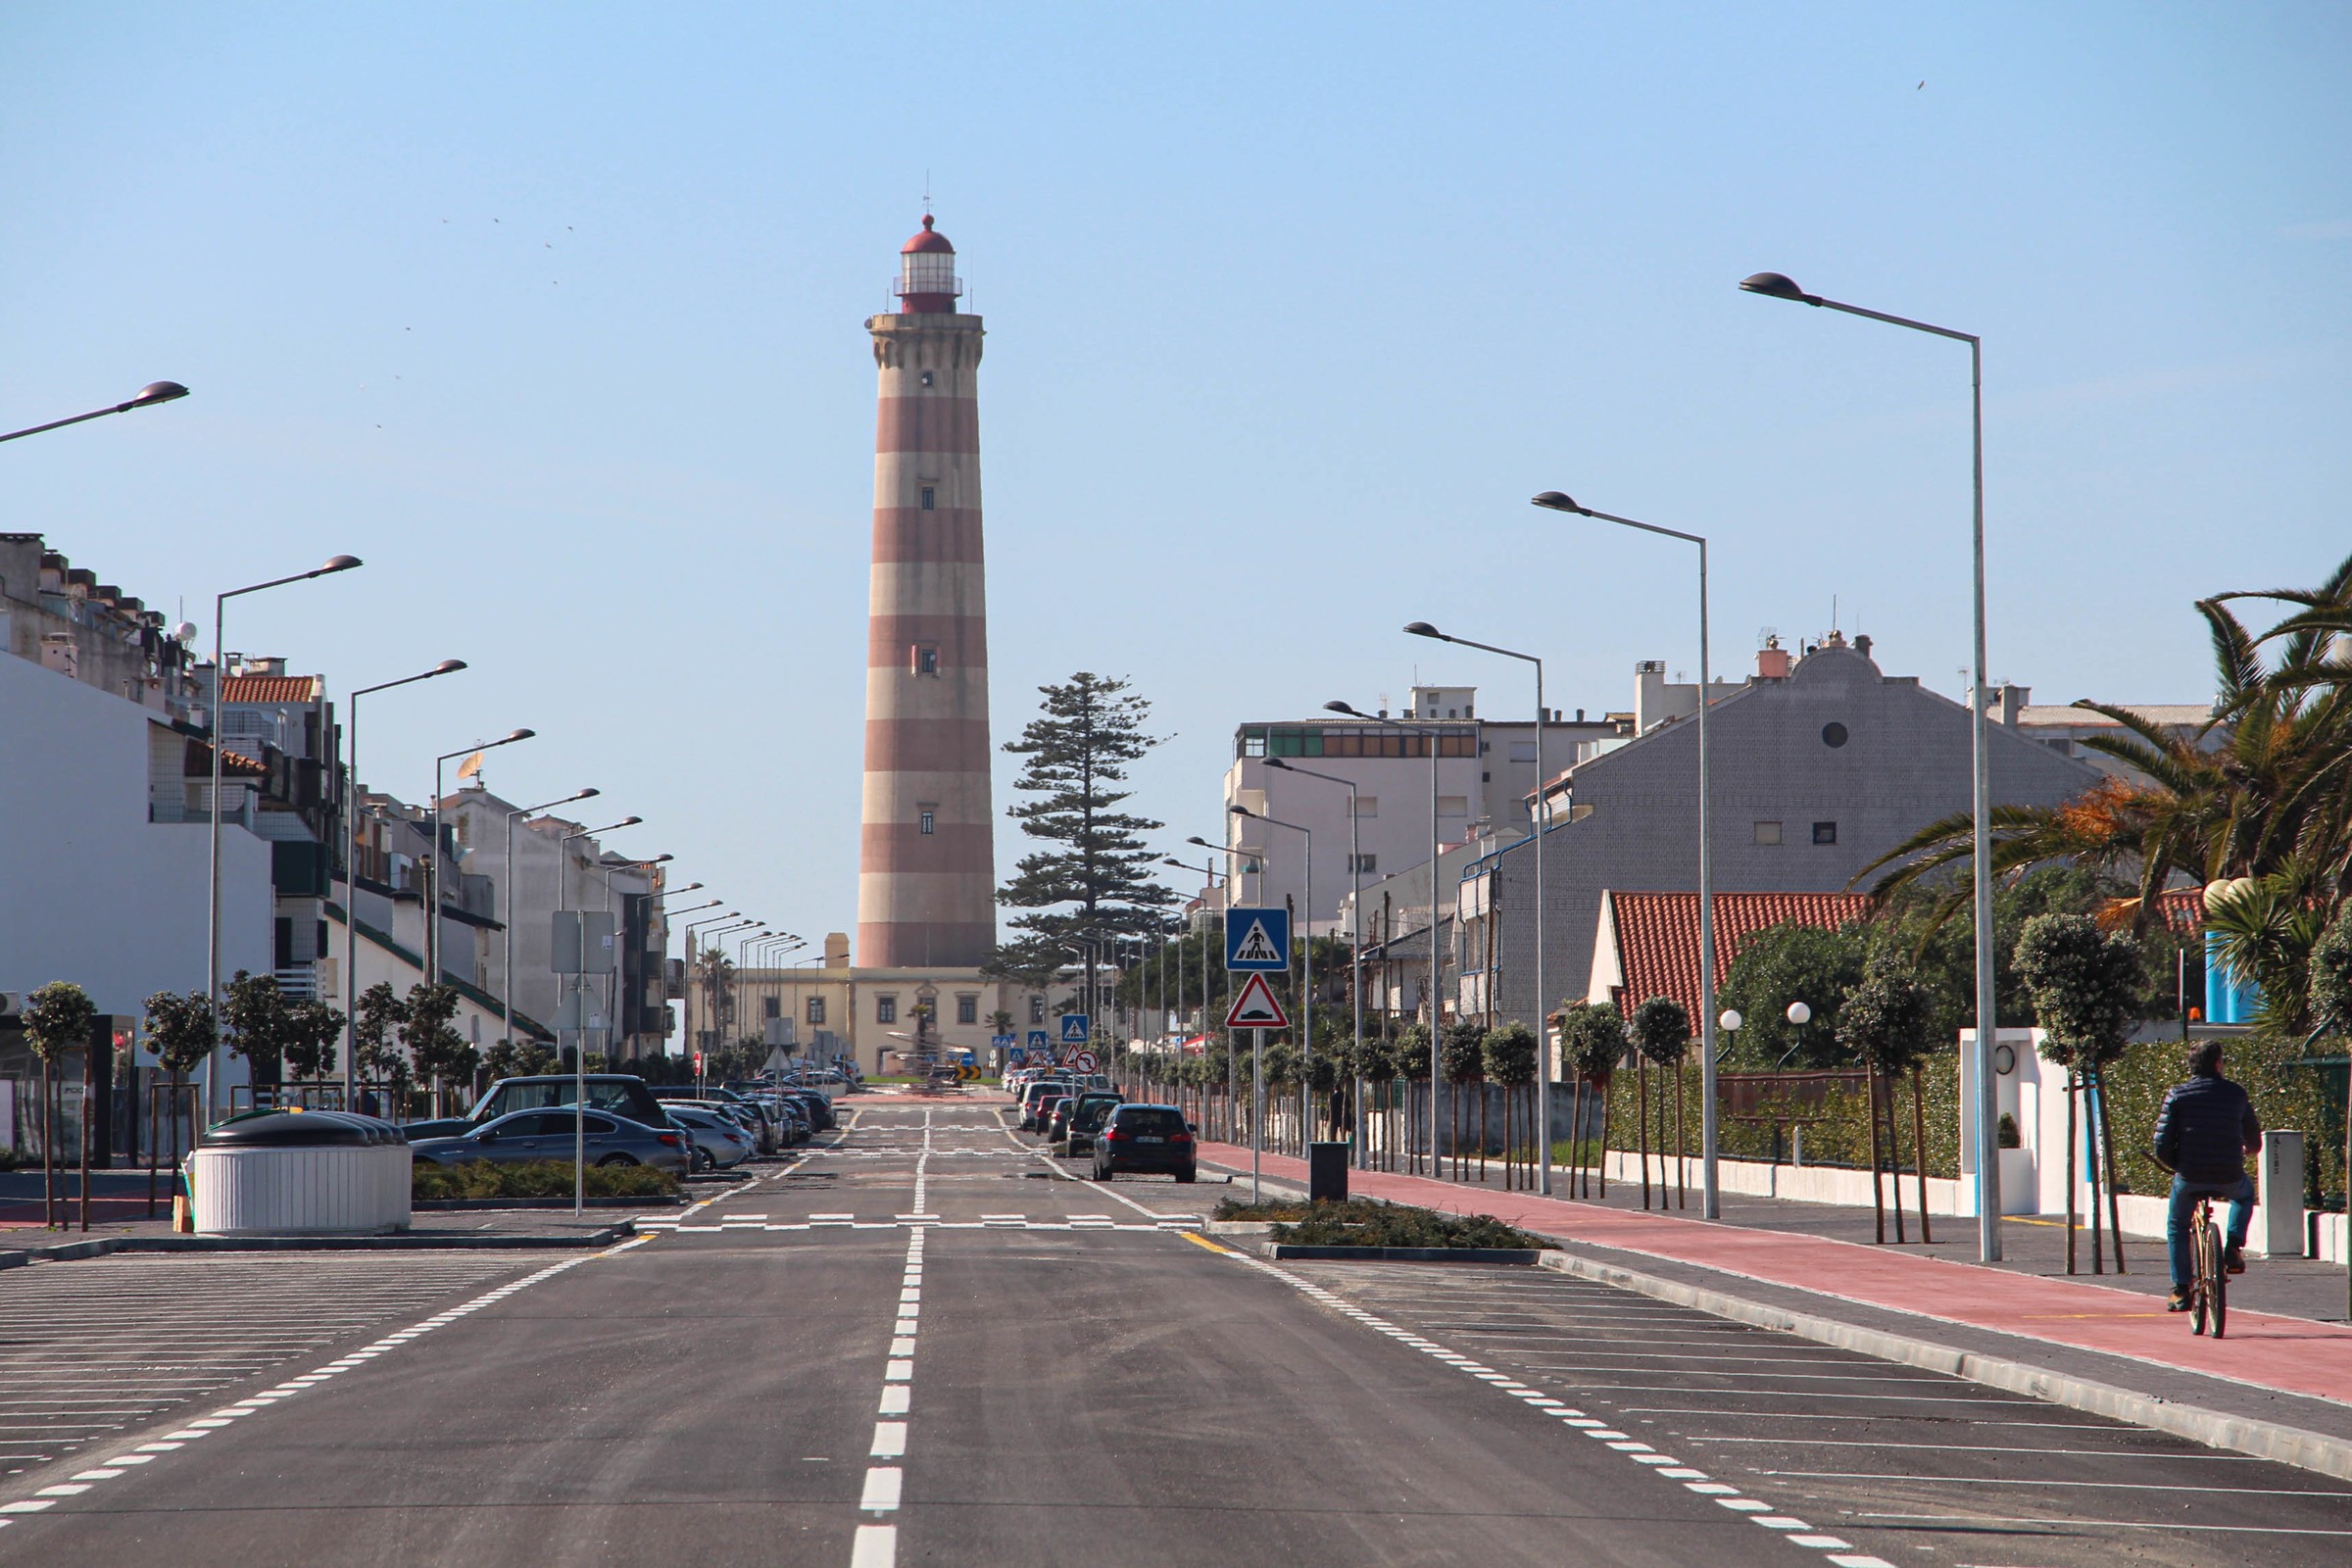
1816 774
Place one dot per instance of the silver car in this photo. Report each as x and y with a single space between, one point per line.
718 1143
524 1136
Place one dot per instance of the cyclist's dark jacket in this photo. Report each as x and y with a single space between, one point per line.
2204 1128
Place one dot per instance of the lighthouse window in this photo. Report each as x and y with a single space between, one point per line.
927 819
930 499
927 378
926 659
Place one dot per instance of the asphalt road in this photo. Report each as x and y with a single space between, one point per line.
923 1344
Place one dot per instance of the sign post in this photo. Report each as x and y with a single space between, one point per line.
1255 1009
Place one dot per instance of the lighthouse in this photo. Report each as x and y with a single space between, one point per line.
926 871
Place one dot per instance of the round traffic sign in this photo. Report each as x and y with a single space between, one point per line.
1084 1061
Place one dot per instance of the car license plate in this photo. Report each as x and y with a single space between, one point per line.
1148 1138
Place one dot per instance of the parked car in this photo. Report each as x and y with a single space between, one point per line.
816 1107
527 1135
740 1106
619 1092
1082 1118
1142 1139
718 1143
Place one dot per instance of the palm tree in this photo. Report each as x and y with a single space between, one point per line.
2262 790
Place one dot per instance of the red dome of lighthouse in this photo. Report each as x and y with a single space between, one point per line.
927 282
930 239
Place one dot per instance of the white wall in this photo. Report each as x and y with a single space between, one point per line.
90 891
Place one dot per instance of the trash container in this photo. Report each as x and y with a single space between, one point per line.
301 1172
1327 1173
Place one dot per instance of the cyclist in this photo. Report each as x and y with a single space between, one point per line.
2203 1135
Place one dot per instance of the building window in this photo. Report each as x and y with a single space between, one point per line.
1368 805
1454 806
928 818
924 660
886 1009
1768 832
816 1009
771 1007
968 1009
1832 735
1254 745
1368 864
930 499
1037 1010
1825 832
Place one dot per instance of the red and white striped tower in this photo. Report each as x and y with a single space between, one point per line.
926 877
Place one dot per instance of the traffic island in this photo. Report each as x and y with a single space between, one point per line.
1368 1230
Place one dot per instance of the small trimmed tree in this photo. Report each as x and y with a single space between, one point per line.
312 1030
1661 1031
58 1019
441 1056
2085 991
1462 1057
253 1013
1883 1020
379 1018
181 1030
1592 1046
1510 1060
1412 1065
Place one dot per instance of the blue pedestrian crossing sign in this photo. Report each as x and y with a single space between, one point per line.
1038 1041
1257 939
1001 1042
1074 1028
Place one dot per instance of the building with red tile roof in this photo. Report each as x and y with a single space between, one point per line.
1648 942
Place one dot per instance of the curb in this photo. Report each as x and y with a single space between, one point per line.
2249 1435
399 1242
1402 1255
461 1205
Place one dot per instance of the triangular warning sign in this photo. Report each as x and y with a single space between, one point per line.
1254 1008
1256 948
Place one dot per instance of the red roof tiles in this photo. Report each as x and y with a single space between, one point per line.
1656 935
270 689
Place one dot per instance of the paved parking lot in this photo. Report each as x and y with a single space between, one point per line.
1894 1461
92 1348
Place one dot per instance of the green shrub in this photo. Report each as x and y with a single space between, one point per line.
1362 1222
537 1178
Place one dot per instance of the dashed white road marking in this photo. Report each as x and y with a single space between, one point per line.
876 1544
1794 1531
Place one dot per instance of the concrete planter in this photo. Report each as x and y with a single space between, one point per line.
1402 1255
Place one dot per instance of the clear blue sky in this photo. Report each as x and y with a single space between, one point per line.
553 314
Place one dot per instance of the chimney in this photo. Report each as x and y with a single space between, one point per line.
1862 644
2013 702
1772 659
837 950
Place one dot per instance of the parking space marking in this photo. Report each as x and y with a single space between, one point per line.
222 1418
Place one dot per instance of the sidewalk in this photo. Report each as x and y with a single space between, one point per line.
2280 1385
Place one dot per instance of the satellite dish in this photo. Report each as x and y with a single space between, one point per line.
184 634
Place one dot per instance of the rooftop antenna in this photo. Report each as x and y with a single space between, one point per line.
1833 612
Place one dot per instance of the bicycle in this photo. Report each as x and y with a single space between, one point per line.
2209 1284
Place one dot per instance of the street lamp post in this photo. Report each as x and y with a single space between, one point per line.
1537 825
1212 871
152 392
350 873
506 915
1710 1191
1436 973
579 1048
690 927
613 993
432 871
1355 934
220 726
1779 286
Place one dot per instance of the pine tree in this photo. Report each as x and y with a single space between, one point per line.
1092 880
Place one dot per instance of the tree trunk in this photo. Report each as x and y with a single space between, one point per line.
89 1094
2090 1128
1641 1118
2070 1170
1576 1125
1481 1128
50 1202
1878 1203
1895 1158
2115 1206
1682 1143
1919 1150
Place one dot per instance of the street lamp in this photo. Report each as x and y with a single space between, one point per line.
507 979
689 927
1436 1022
1710 1191
153 392
1539 824
613 991
1780 287
432 871
351 871
1248 858
579 1048
212 909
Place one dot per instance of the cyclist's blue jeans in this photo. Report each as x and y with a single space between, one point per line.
2178 1240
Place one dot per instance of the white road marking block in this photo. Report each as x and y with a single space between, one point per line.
882 1483
889 1440
877 1546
